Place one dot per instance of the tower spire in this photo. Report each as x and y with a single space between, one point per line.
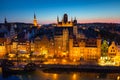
57 19
71 19
75 21
35 20
5 20
75 18
34 16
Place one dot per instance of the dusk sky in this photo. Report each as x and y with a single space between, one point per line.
47 10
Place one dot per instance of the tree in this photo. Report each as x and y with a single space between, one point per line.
104 48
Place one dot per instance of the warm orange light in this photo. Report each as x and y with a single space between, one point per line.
2 51
74 60
54 60
118 78
59 47
64 53
35 22
11 55
64 61
74 76
55 76
44 52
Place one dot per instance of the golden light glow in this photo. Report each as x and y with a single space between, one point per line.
54 60
74 76
74 60
11 55
64 61
55 76
44 52
59 47
64 25
2 51
118 78
117 60
27 56
63 53
35 22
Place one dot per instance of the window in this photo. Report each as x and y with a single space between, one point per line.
111 50
112 47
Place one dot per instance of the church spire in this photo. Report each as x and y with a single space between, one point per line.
75 21
57 19
75 18
71 19
34 16
35 20
5 20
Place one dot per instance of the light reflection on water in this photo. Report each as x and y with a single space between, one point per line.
74 76
40 75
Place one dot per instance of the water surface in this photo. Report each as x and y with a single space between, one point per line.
40 75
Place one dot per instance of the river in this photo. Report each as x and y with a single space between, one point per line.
40 75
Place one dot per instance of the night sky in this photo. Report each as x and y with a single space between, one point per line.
47 10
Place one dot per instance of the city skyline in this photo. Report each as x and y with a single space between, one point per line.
47 11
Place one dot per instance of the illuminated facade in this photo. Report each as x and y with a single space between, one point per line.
75 45
61 43
114 53
2 46
87 50
112 50
63 31
41 46
66 43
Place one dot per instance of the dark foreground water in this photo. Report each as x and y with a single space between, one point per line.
40 75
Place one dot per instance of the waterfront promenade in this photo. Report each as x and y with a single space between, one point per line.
73 67
78 68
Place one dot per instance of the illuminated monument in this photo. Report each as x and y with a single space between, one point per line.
65 22
68 42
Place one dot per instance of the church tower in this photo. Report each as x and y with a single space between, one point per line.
71 19
57 19
99 46
75 21
35 20
65 22
5 21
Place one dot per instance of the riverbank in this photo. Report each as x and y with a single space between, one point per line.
79 68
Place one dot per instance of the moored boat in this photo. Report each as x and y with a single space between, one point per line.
9 68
